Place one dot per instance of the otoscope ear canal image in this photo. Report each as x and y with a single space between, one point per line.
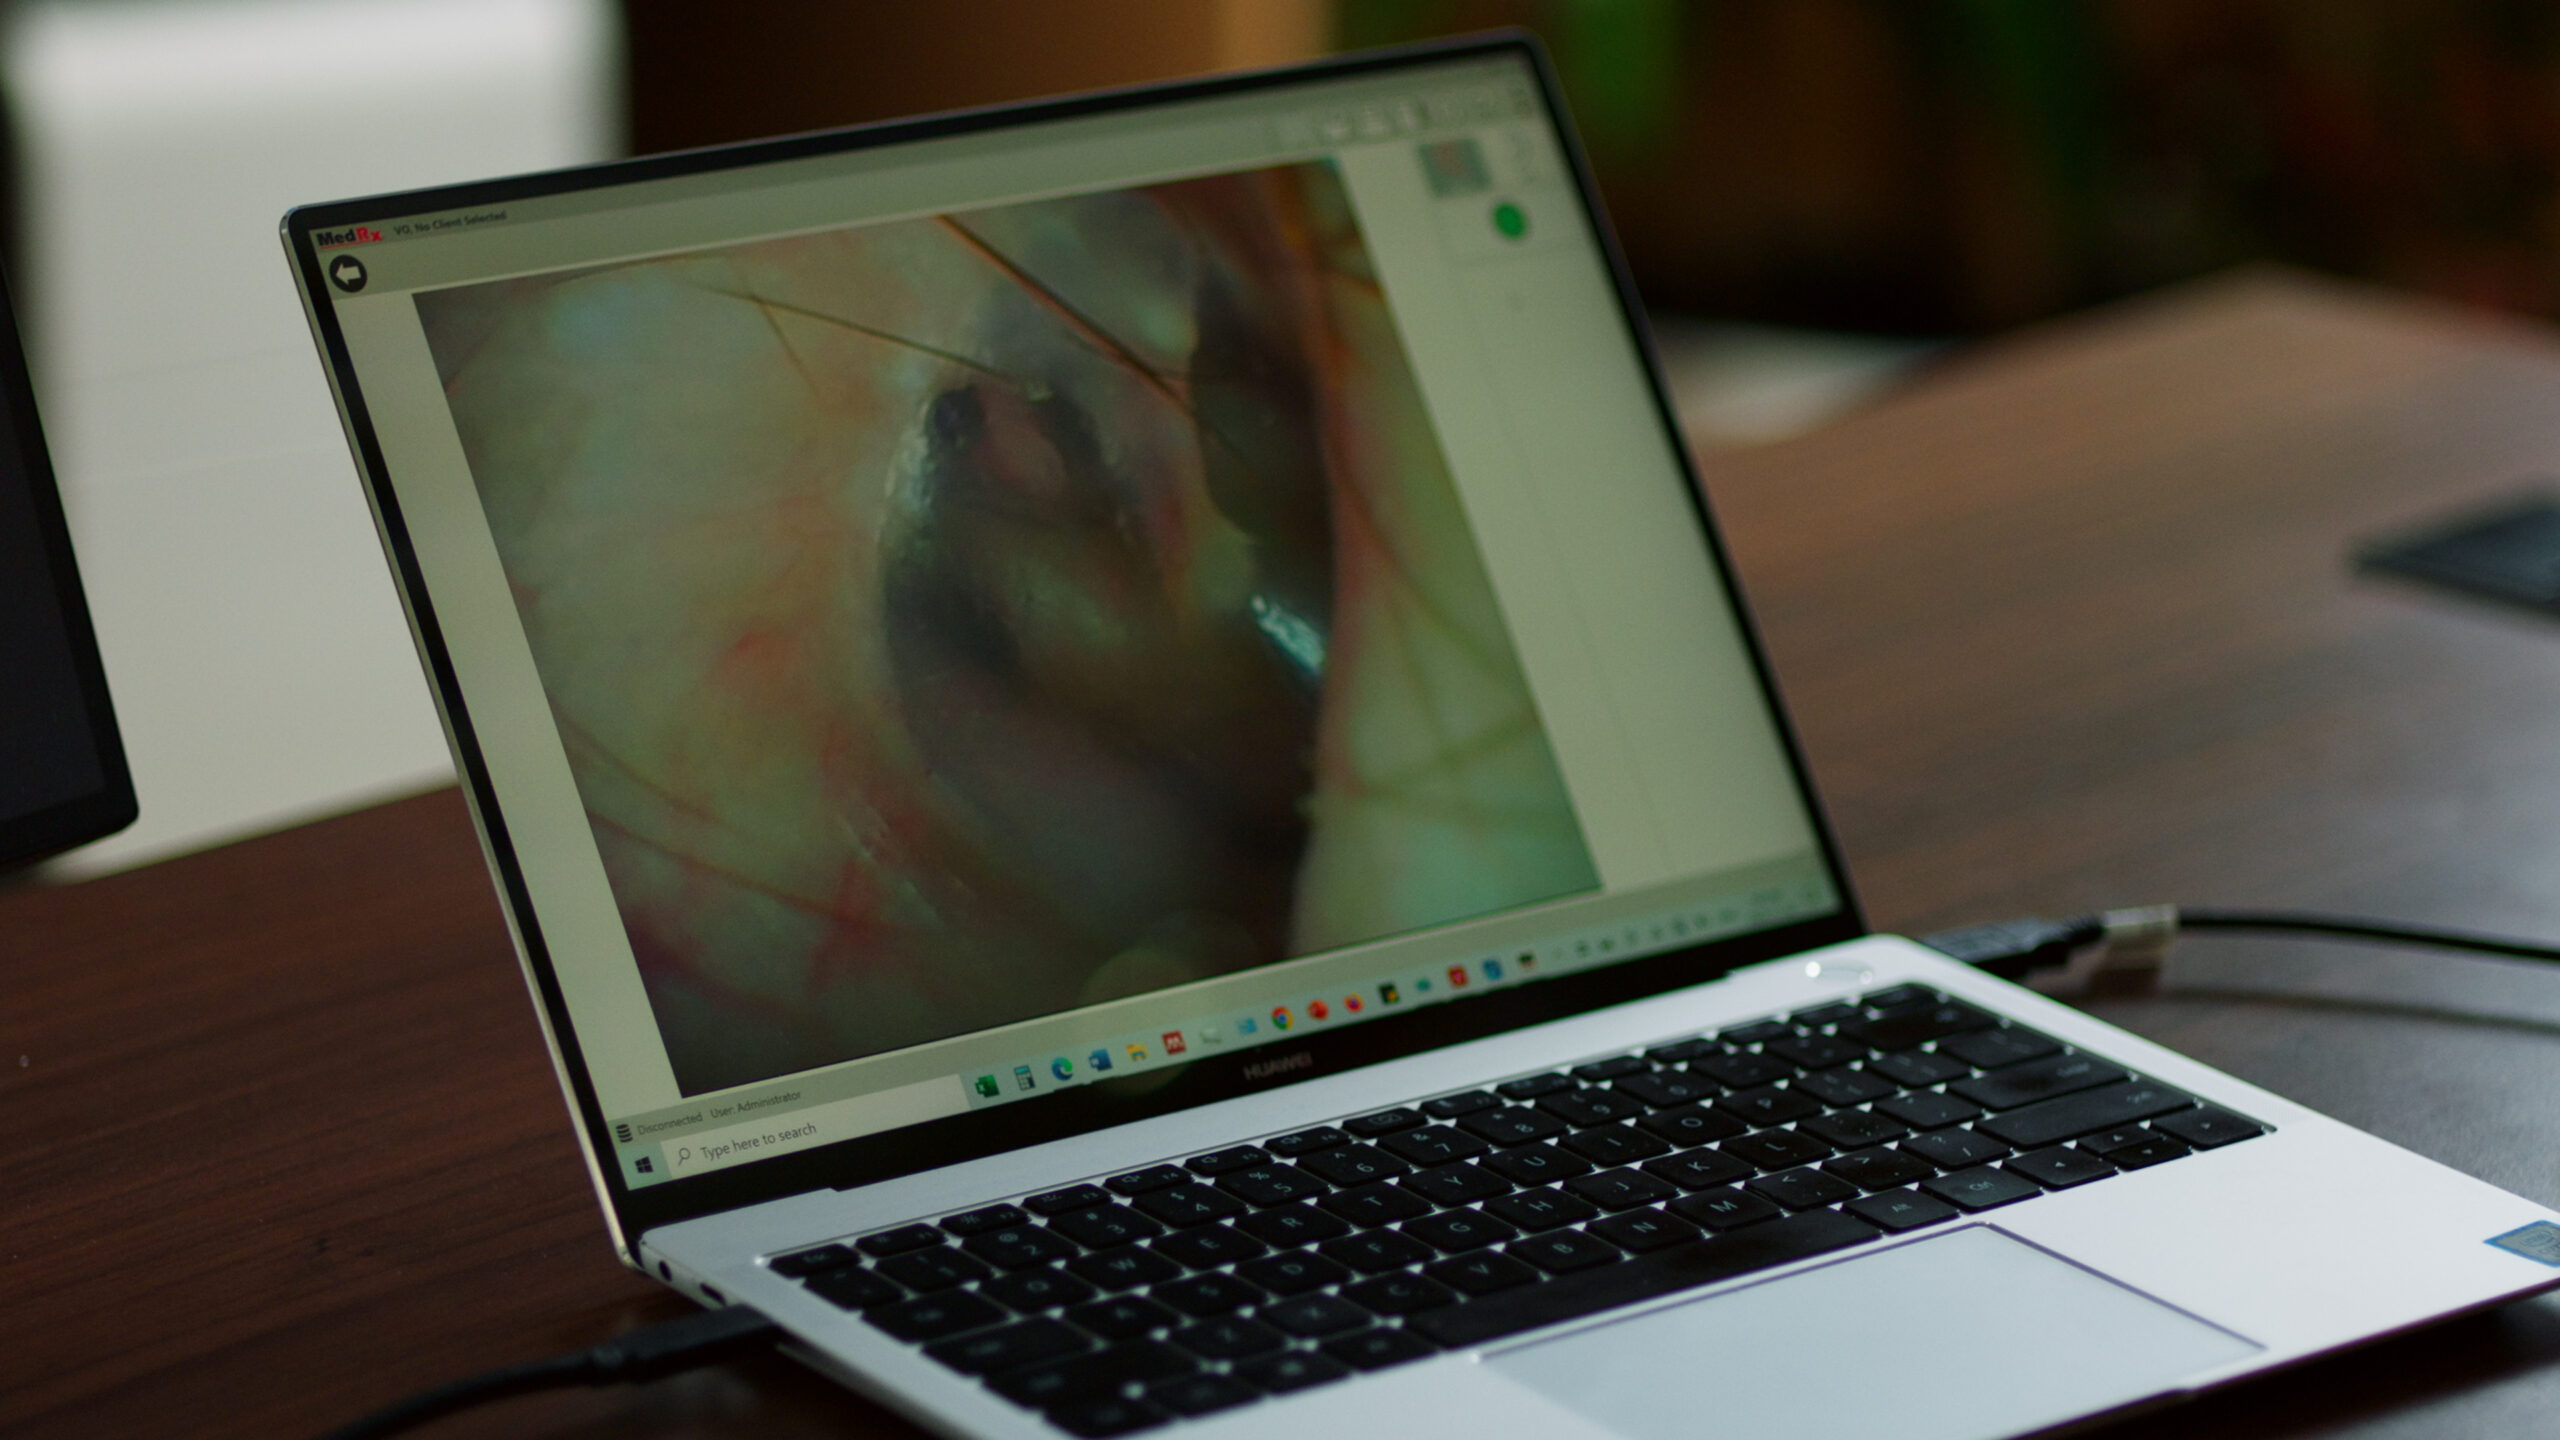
969 617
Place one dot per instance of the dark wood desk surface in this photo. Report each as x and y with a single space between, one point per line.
2065 625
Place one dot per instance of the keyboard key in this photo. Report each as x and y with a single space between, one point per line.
1694 1125
1481 1273
1775 1150
1301 1369
930 1317
1955 1149
2115 1138
1455 1184
1930 1110
1560 1252
1306 1142
1697 1169
1591 1107
1681 1052
1056 1382
1234 1157
1846 1085
1123 1317
2038 1080
1435 1145
1383 1122
1018 1247
1029 1291
1836 1013
1757 1032
1899 997
1195 1395
1901 1210
1643 1277
1661 1092
1354 1165
1512 1125
1454 1231
1855 1129
937 1269
1028 1343
1105 1227
1074 1197
1816 1052
2060 1168
1272 1184
1802 1189
801 1264
2040 1125
904 1238
853 1288
1399 1294
1208 1246
2148 1153
1315 1315
1374 1252
1125 1268
1739 1071
1376 1349
1879 1169
1228 1338
1613 1068
1642 1230
1992 1049
1530 1087
1542 1209
1466 1102
2209 1126
1769 1106
1293 1273
1916 1068
1621 1189
1288 1226
1537 1165
1908 1029
984 1219
1615 1144
1190 1205
1108 1415
1375 1204
1981 1189
1154 1177
1725 1209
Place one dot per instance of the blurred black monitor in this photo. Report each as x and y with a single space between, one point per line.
63 779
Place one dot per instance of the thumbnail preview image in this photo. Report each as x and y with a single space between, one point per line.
960 619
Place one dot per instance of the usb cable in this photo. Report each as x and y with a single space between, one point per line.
2120 951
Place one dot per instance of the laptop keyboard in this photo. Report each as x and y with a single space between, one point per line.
1187 1288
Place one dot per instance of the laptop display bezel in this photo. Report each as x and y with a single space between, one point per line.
1090 1107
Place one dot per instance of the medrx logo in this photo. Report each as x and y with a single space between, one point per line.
352 235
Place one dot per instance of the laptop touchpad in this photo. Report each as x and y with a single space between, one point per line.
1971 1333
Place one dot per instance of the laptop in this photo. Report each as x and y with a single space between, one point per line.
63 776
1137 799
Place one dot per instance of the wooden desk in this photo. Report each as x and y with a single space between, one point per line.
2066 625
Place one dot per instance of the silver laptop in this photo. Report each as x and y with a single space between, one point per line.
1136 798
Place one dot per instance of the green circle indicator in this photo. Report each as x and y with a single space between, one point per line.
1511 220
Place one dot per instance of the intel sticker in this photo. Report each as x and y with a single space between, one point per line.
2537 1241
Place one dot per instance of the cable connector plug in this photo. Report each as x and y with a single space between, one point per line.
2118 952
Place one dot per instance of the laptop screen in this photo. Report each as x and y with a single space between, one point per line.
960 618
62 770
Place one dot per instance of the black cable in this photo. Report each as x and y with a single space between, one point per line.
2015 948
2349 927
645 1354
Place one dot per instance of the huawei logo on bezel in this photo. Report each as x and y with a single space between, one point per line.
1265 1069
